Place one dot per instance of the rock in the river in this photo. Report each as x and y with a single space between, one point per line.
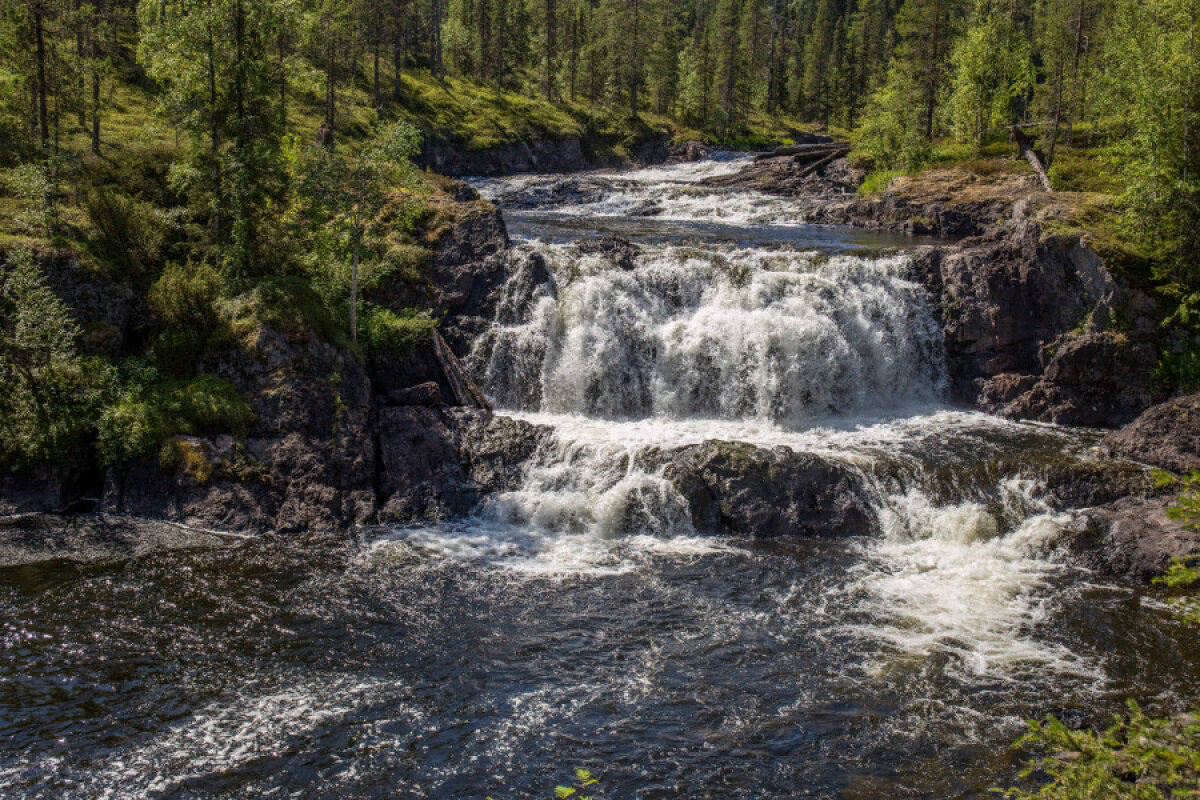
1166 435
1132 537
437 463
617 251
1099 379
733 487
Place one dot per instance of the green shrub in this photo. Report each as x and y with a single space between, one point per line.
1139 757
1179 370
127 235
391 334
149 411
877 182
287 302
52 394
1075 171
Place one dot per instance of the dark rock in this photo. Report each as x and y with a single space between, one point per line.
782 175
1132 537
424 394
1092 379
40 489
307 462
562 154
687 152
440 463
89 538
1027 322
619 252
732 487
496 449
1166 435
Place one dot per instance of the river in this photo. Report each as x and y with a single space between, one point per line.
581 621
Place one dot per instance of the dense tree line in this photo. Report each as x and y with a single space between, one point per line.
901 73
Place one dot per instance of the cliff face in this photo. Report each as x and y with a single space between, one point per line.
336 438
1038 328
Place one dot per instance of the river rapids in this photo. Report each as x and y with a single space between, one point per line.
581 620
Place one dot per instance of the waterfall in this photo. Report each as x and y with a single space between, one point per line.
717 332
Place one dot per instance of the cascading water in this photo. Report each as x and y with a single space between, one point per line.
581 620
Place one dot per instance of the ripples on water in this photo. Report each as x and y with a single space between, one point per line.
580 620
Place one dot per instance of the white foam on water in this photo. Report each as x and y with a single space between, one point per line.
967 580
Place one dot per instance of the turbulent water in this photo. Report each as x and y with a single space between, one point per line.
580 620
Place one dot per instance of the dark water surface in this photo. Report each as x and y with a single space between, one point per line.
282 668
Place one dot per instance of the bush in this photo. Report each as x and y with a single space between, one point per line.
150 410
1138 757
877 181
288 303
390 334
127 235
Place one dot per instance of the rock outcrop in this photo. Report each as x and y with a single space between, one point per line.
1036 327
1132 537
554 154
737 488
1166 435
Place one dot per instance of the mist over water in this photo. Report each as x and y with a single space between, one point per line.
580 620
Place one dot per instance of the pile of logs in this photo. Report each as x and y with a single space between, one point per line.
812 156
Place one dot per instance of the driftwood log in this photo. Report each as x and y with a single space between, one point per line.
466 393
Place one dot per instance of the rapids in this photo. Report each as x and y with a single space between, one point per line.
580 620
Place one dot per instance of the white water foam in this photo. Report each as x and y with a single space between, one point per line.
967 580
718 332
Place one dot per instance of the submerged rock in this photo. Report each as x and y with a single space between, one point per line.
737 488
617 251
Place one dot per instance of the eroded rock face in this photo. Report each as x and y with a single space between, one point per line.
1098 379
1029 328
736 488
1166 435
306 463
437 463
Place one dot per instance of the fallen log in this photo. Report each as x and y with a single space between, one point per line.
811 168
1025 148
802 151
466 393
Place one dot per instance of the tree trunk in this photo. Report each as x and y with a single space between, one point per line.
40 54
933 70
354 288
435 23
550 45
95 112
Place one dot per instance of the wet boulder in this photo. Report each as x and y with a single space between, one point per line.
619 252
1166 435
1132 537
737 488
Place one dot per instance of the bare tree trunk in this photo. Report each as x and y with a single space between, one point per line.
354 287
40 54
550 45
435 23
934 68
